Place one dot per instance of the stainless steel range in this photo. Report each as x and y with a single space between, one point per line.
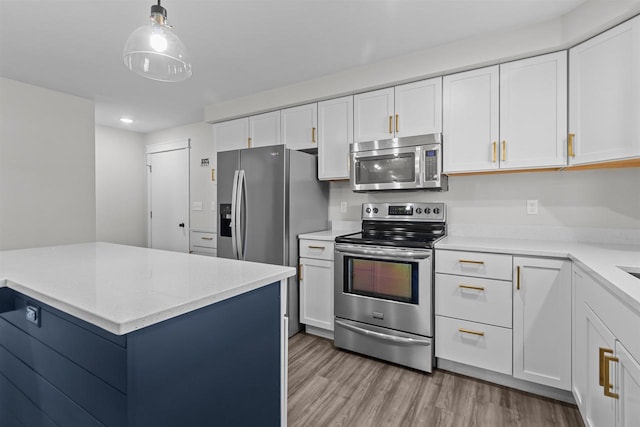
384 283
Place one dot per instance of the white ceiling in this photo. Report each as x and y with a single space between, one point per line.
238 47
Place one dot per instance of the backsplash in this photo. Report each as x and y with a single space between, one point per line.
601 205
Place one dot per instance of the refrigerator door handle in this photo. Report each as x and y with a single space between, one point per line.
234 213
241 226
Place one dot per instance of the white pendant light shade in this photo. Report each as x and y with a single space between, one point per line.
154 51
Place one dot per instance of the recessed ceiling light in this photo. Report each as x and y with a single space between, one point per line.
126 120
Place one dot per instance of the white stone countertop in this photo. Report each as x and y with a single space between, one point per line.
601 260
327 235
124 288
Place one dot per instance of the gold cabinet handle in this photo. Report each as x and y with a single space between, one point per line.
248 142
504 150
470 261
475 288
313 135
207 238
300 272
570 145
518 277
316 247
493 155
469 331
390 124
213 174
602 353
607 377
397 122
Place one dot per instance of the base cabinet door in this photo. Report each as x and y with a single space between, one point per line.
542 321
316 293
627 388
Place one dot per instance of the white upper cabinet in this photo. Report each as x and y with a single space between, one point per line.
604 96
533 112
470 120
406 110
264 129
231 135
335 133
300 127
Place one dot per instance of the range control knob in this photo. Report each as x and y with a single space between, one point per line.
436 211
375 210
419 211
427 211
368 210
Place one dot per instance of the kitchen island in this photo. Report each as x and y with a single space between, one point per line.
102 334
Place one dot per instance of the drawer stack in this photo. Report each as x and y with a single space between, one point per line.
473 307
316 286
203 243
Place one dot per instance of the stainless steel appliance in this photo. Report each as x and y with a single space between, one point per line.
383 301
266 197
409 163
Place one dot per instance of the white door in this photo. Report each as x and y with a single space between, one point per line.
169 200
300 127
264 129
418 108
627 387
231 135
373 115
604 95
542 321
316 293
533 112
335 133
470 120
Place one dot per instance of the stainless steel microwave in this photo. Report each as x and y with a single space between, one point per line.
409 163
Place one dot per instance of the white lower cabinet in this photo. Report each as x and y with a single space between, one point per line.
202 242
316 284
605 368
542 321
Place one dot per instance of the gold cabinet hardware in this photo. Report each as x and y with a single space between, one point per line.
475 288
468 331
299 272
570 145
397 122
316 247
493 155
518 277
470 261
504 150
213 174
313 135
207 238
248 142
601 355
607 377
390 124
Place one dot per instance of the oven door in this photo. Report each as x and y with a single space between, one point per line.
386 287
387 169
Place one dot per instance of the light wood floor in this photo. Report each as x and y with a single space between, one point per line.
330 387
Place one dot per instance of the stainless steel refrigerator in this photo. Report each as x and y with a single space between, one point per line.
266 197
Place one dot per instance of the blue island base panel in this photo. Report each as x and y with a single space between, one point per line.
216 366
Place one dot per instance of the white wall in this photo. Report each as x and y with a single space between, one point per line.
202 188
121 187
47 167
597 200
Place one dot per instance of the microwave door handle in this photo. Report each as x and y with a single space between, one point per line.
383 337
234 212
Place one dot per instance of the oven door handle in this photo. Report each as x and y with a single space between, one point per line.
383 337
383 254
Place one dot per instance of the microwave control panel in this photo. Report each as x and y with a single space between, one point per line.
431 165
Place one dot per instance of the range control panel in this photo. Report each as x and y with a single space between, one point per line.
404 211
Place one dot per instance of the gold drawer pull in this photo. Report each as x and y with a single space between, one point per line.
518 274
475 288
467 331
299 272
207 238
313 135
504 150
570 144
493 154
607 377
390 124
397 122
248 142
316 247
470 261
602 353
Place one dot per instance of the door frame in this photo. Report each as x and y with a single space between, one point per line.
159 148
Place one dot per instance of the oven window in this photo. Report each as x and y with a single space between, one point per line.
391 280
386 169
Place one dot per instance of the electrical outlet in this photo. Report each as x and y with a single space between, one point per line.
343 207
532 207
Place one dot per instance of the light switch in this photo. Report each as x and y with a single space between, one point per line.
213 206
532 207
343 207
196 206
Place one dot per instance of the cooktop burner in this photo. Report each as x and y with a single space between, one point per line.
411 225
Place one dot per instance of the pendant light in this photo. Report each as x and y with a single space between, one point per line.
154 51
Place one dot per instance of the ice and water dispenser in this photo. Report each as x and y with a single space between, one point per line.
225 219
